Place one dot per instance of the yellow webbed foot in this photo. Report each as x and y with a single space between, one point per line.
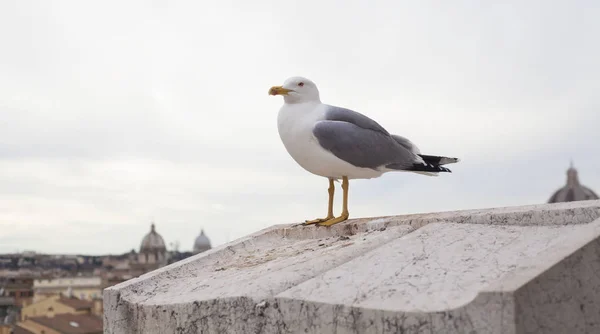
318 220
335 220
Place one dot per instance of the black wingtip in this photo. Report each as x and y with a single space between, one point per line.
427 167
438 160
421 167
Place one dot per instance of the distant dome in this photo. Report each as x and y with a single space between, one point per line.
152 242
202 243
573 190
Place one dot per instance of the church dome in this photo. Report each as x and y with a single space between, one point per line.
202 243
573 190
152 242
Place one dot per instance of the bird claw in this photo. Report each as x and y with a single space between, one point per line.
317 221
334 221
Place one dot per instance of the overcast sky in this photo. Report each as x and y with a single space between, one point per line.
114 114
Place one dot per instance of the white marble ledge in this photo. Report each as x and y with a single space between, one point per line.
417 273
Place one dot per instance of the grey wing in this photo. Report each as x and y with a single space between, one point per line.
362 147
407 144
346 115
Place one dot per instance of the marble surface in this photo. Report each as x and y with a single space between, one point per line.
504 270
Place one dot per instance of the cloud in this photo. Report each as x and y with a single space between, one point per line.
117 114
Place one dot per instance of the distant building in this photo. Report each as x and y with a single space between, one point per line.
61 314
7 329
7 307
153 252
61 323
573 190
81 287
36 264
20 288
202 243
178 256
61 304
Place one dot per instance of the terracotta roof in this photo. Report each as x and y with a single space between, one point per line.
21 330
76 303
72 323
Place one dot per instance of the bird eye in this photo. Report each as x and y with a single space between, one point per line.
301 84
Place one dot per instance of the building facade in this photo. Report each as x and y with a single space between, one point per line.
87 288
18 287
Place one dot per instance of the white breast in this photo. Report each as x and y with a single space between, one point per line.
295 123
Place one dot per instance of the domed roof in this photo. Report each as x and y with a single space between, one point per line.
152 242
202 243
573 190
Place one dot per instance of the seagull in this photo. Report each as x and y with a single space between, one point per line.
339 143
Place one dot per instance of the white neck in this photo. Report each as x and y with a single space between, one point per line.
293 99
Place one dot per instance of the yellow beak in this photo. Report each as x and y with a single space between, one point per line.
278 90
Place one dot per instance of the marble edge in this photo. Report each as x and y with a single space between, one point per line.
193 258
361 225
535 266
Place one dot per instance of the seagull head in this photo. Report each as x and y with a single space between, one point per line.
297 90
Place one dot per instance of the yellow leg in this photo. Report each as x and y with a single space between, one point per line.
345 214
330 190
